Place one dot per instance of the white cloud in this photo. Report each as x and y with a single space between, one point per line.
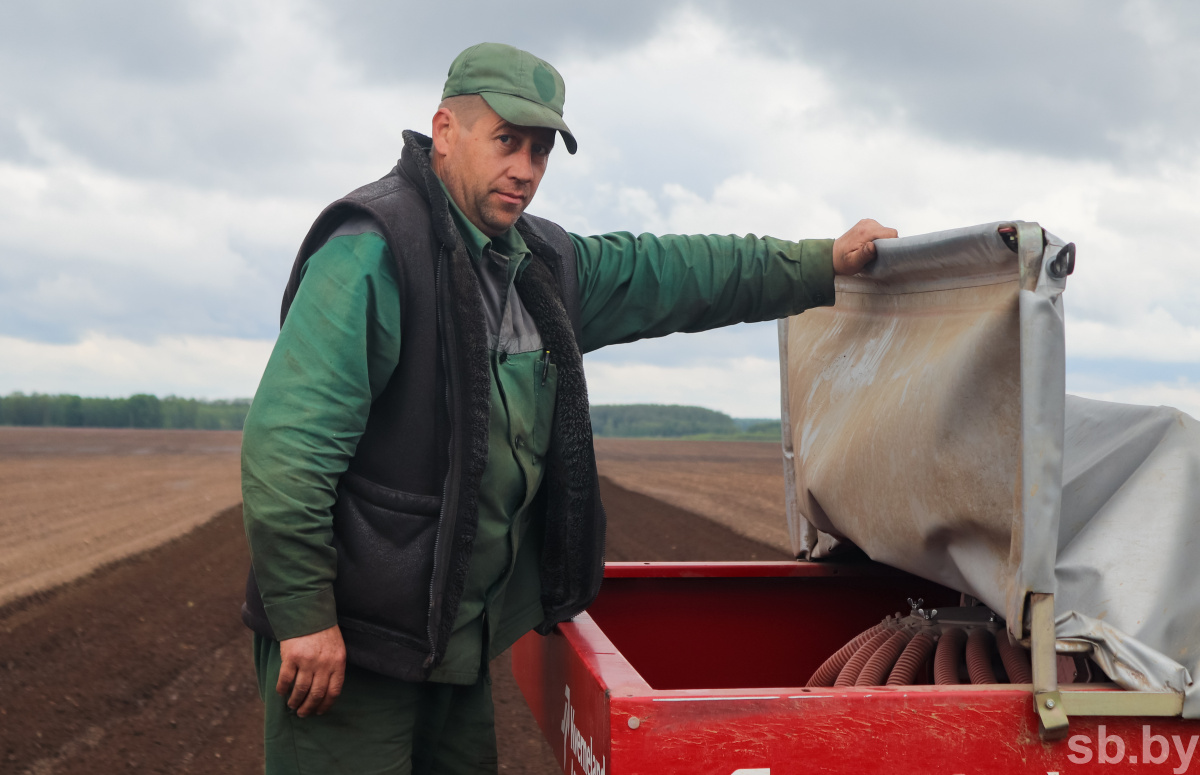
810 165
1155 335
100 365
140 207
740 387
1183 395
697 129
62 206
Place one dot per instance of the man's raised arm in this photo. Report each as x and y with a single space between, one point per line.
646 286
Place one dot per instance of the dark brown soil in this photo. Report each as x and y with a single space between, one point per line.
144 666
76 499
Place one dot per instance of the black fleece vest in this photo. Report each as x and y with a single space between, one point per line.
407 508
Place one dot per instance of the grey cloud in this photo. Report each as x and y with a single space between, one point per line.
401 41
1077 79
143 88
123 84
1112 81
58 300
154 91
13 147
135 85
144 40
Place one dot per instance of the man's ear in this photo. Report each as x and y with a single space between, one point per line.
444 131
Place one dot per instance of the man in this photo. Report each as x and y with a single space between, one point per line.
418 473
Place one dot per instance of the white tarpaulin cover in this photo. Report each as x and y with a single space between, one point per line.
925 420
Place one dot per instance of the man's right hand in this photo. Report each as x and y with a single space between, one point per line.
856 248
313 671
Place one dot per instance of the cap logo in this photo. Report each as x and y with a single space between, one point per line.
544 82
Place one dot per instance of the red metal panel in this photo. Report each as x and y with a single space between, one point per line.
859 732
746 570
564 679
602 716
718 632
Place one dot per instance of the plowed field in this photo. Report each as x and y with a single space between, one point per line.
738 484
143 666
73 499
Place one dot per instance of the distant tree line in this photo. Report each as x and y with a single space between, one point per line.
137 411
147 411
672 421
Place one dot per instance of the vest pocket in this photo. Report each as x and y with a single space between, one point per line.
384 540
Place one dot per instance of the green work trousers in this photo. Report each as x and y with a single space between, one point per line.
379 726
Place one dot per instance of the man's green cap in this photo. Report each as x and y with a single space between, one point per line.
522 89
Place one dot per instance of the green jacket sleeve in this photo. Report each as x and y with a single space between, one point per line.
334 355
639 287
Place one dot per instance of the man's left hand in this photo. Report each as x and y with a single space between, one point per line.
856 248
312 670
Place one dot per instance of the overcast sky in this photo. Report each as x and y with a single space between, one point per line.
160 162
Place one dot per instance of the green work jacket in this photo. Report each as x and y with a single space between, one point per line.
341 342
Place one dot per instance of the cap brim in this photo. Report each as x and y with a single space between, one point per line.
522 112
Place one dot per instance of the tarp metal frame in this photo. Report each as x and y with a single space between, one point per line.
1111 442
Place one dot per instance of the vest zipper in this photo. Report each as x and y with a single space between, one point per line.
437 536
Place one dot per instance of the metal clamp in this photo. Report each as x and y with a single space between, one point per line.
1047 701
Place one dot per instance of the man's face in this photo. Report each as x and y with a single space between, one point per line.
492 168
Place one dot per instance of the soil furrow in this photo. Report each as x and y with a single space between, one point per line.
144 665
